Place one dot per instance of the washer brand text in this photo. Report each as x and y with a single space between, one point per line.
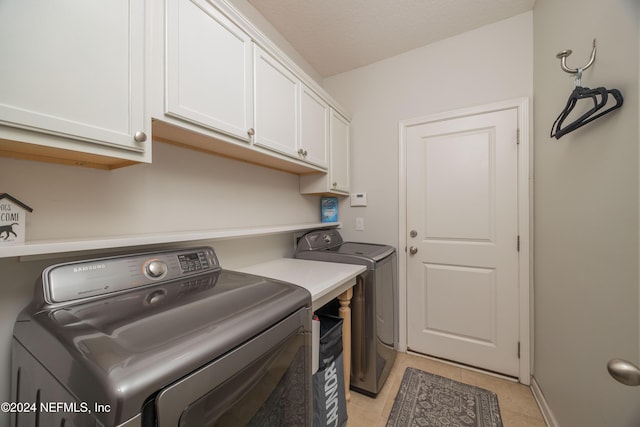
89 268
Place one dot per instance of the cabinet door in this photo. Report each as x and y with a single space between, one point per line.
74 69
314 127
276 105
209 68
339 169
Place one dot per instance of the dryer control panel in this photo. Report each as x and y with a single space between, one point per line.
93 278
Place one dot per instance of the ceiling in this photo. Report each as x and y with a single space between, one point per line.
335 36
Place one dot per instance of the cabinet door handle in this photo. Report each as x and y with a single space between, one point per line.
335 184
140 136
302 152
251 132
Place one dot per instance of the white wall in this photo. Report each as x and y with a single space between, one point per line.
493 63
181 190
586 215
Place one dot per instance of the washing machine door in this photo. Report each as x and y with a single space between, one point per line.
265 381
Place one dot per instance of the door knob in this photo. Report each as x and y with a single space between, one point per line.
625 372
413 250
413 233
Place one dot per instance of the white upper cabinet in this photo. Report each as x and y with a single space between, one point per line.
209 69
89 81
290 117
72 78
276 105
220 86
336 181
339 172
314 127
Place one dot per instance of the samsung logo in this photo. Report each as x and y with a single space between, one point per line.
89 268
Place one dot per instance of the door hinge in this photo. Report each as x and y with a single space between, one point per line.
518 244
518 349
517 136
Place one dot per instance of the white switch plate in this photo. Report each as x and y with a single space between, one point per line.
359 223
358 199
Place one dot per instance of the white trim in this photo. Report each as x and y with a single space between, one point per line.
549 419
524 223
402 239
466 367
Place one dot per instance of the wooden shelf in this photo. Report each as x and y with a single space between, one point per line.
42 247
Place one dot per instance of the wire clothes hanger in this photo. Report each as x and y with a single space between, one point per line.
598 96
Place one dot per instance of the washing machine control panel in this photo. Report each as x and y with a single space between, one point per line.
194 261
319 240
90 279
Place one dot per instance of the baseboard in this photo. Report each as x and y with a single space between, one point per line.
547 414
464 366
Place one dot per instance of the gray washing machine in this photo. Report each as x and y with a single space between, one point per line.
162 339
374 307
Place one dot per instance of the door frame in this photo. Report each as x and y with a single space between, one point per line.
525 225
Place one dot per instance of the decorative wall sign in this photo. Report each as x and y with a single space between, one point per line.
13 218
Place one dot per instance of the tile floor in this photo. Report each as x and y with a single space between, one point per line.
517 405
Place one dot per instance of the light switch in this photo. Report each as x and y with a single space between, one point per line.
358 199
359 223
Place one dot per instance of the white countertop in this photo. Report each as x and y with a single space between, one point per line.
325 280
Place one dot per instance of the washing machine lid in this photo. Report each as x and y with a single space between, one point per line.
369 250
122 348
328 246
350 253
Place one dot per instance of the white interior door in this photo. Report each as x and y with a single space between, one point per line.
462 239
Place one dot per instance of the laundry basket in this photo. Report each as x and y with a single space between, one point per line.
329 402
